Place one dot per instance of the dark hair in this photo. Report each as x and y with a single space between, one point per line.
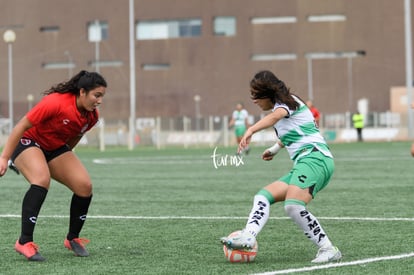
266 85
83 80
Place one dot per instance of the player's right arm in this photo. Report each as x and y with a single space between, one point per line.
270 152
12 142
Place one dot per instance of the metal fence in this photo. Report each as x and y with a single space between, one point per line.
213 130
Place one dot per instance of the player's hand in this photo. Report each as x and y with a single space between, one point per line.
267 155
244 143
3 166
270 152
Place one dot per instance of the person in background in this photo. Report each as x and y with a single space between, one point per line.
358 122
315 112
240 121
40 147
311 172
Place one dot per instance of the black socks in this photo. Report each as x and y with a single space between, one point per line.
78 210
32 202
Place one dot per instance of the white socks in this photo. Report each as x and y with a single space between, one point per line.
308 223
258 215
296 211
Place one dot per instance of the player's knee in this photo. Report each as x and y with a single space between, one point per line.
293 209
43 181
82 188
289 209
87 189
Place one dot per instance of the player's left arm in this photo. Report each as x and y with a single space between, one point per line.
270 152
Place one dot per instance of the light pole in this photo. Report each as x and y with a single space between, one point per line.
132 79
408 64
9 37
310 79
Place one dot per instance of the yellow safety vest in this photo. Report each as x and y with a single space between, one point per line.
358 120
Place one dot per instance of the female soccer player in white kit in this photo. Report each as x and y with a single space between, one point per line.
313 166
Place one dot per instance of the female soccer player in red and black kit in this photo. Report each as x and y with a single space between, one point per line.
40 148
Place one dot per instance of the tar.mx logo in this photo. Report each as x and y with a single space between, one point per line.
220 160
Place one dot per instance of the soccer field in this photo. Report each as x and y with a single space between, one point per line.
164 211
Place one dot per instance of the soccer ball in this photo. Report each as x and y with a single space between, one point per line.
240 256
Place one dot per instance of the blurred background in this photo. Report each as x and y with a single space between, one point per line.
177 68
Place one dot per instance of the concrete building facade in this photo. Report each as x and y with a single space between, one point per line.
333 51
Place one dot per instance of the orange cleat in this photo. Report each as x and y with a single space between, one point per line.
29 250
77 245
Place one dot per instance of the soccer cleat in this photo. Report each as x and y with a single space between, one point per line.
241 240
77 246
29 250
329 254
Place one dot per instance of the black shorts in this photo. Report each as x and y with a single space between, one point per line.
25 143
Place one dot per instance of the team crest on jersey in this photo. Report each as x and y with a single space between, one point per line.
66 121
25 141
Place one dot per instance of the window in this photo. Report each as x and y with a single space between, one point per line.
267 57
102 63
147 30
189 28
97 31
273 20
155 67
327 18
49 29
333 55
58 65
225 25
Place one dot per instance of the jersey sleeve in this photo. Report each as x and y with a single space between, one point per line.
284 106
42 111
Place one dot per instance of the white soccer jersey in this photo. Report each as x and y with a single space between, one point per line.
240 117
298 131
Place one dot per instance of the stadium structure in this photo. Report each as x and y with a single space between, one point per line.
194 59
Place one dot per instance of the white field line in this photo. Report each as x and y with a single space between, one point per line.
110 217
285 271
333 265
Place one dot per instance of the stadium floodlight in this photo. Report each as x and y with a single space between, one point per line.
9 37
333 55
